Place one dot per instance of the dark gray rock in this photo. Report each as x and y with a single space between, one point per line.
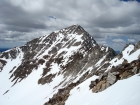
111 79
100 77
135 70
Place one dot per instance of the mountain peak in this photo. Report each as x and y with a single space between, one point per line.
74 29
58 62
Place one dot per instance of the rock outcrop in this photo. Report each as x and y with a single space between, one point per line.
117 73
58 62
2 64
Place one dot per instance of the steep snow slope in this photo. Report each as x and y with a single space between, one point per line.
28 92
124 92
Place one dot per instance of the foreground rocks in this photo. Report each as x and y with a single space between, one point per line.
104 81
116 73
62 95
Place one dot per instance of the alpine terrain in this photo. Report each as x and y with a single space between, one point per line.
68 67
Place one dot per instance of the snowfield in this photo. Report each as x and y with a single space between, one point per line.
28 91
123 92
48 68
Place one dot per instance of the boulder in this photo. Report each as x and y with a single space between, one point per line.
111 79
124 75
100 86
103 87
92 84
105 74
100 77
107 84
94 90
135 70
124 62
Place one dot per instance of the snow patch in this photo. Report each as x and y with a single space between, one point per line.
100 61
124 92
125 55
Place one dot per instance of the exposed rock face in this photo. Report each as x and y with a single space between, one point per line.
2 64
137 46
46 79
111 79
61 96
115 74
63 60
72 49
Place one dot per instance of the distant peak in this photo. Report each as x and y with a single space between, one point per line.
74 29
76 26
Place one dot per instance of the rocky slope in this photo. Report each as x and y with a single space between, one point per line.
121 72
49 67
71 49
123 66
119 84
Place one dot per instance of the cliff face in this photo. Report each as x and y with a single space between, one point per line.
54 64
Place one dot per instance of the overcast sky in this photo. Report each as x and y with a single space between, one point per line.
112 23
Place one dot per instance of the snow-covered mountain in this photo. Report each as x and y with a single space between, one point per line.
57 68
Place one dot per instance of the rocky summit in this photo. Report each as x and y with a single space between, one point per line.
46 70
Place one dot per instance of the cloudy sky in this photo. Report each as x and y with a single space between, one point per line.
112 23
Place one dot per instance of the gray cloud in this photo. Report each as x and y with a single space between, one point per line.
131 40
118 40
22 20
